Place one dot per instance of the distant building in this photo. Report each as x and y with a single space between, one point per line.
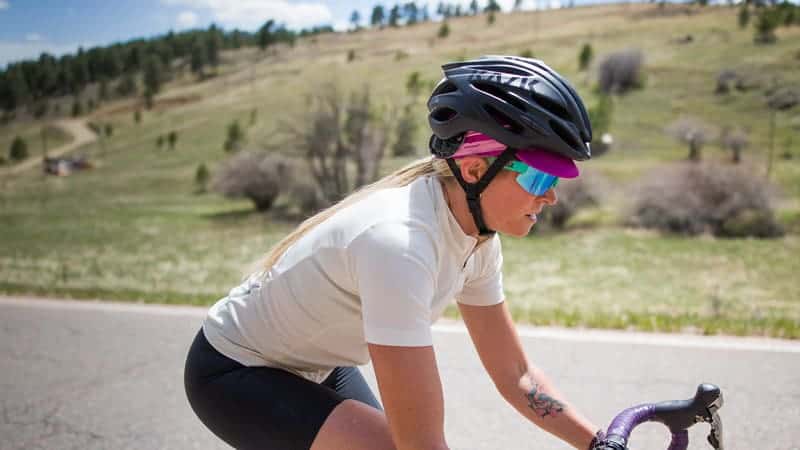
63 166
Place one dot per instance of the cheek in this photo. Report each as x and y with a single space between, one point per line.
508 199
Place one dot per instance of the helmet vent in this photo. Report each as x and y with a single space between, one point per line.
444 114
551 106
500 93
505 70
565 134
445 88
502 119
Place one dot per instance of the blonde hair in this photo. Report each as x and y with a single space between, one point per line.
402 177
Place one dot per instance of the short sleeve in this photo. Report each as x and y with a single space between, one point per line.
394 269
484 287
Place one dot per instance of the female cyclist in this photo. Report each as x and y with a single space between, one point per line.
273 366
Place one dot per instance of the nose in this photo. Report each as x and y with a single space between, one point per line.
549 198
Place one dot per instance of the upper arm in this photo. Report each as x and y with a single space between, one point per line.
394 270
411 393
492 331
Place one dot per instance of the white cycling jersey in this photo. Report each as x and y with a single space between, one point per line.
380 271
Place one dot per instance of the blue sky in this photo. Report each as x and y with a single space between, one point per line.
29 27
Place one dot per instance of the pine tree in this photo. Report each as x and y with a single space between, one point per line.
585 58
265 37
355 19
394 16
152 74
744 15
212 46
18 150
377 16
198 59
201 177
444 30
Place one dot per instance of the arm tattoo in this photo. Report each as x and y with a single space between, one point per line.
542 404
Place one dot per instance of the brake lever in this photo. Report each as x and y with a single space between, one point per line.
715 434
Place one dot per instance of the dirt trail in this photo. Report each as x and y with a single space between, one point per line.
77 128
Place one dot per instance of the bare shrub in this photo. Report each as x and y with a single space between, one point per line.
724 80
735 140
692 132
341 137
782 97
621 71
748 81
695 198
305 197
256 175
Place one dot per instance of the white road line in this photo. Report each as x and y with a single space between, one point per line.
447 326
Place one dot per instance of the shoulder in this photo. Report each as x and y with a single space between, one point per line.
398 238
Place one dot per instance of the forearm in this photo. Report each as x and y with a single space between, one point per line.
537 399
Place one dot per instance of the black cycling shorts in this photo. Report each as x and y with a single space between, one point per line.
263 407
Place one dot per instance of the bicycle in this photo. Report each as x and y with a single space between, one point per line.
677 415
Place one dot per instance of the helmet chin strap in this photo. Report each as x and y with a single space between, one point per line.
473 190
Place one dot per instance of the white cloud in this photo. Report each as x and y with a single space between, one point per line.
251 14
17 51
3 4
33 37
187 19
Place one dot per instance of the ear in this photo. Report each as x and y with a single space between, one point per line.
472 168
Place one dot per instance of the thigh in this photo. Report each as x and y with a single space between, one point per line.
255 407
350 384
354 425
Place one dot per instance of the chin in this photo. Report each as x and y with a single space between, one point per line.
518 232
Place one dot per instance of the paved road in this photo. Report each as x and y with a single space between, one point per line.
86 375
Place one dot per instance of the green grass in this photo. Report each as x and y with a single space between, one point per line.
133 229
35 135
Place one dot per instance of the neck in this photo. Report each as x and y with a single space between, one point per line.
457 202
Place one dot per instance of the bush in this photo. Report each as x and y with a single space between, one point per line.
695 198
351 55
621 72
137 116
18 150
527 53
444 30
257 176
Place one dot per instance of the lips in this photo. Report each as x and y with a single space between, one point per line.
531 216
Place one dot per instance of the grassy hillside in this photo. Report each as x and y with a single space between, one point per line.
134 229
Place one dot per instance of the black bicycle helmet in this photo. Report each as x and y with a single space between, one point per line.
520 102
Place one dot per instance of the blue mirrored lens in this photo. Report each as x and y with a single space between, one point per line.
536 182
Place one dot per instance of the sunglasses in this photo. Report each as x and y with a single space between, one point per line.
533 180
